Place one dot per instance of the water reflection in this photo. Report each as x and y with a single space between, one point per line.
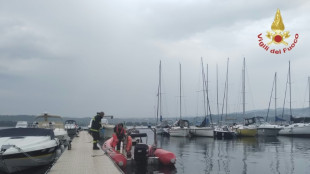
252 155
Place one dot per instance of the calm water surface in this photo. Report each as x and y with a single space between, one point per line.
279 155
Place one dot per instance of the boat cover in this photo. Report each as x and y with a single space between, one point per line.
19 132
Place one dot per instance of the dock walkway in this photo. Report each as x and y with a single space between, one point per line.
81 159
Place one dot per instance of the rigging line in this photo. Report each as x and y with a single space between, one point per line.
270 97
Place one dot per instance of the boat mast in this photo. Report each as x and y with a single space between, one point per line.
217 90
243 88
309 91
203 88
227 88
180 93
159 94
275 95
207 88
290 83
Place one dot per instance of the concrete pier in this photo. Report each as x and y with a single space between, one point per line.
82 159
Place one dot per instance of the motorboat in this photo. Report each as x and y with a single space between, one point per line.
71 127
266 129
141 155
55 123
248 129
21 124
24 148
180 128
107 129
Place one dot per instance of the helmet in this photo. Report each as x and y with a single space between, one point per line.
100 113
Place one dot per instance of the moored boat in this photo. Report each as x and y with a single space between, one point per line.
56 124
24 148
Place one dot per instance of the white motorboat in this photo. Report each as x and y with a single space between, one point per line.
163 127
265 128
107 129
180 129
23 148
55 123
71 128
21 124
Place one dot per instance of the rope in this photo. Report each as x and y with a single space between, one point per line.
26 154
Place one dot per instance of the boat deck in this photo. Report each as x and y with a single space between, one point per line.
82 159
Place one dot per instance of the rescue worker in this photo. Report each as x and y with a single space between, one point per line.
120 134
95 127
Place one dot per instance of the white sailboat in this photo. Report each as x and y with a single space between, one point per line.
300 129
204 130
181 127
162 126
265 128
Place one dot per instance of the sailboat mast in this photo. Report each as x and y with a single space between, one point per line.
309 91
227 88
243 87
290 83
159 94
203 87
207 88
217 90
180 93
275 94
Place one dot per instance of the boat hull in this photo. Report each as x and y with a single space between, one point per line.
296 129
118 158
268 131
247 132
179 132
202 131
19 162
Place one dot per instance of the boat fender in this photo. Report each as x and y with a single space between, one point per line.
58 153
62 148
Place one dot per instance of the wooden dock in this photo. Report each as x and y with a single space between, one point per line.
83 159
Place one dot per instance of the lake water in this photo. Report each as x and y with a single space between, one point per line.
279 155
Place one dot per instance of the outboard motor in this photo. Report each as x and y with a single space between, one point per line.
141 153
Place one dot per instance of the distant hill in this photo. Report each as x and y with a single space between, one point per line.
11 120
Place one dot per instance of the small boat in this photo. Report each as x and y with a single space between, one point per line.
24 148
248 129
163 127
71 128
55 123
224 132
21 124
180 129
143 154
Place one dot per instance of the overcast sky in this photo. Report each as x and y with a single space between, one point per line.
76 57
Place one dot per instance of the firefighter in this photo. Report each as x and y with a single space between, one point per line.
95 127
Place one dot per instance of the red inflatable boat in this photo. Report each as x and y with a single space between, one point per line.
141 153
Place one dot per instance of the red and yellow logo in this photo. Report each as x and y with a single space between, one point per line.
278 35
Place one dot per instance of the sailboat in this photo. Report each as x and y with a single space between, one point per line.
296 128
181 127
163 125
223 131
265 128
249 128
204 130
